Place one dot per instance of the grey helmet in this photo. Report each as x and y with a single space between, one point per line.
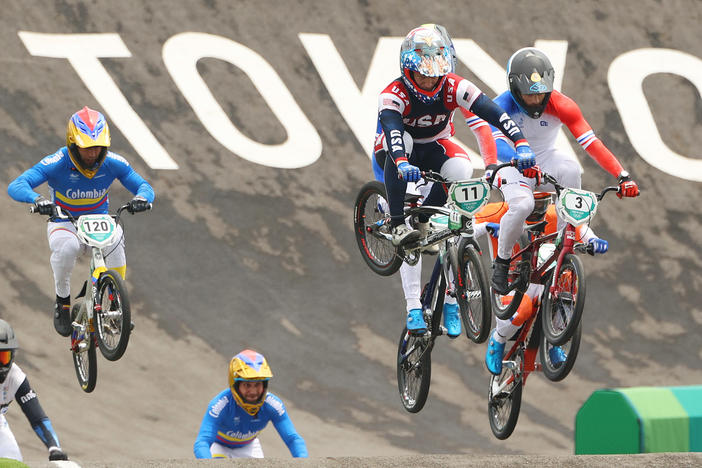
8 342
529 71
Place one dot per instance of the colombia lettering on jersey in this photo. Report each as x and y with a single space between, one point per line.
428 122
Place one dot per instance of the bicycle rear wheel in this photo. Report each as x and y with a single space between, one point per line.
113 317
505 400
559 371
472 292
413 370
562 310
83 351
371 218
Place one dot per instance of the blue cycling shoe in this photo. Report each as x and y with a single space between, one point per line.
452 321
493 356
415 322
557 356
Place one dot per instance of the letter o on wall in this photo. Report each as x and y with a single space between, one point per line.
180 55
625 77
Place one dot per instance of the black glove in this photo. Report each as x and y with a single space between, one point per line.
138 204
56 453
44 206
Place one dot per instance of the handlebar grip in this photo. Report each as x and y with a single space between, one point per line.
33 209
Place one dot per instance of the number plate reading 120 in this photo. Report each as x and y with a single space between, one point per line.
470 196
96 227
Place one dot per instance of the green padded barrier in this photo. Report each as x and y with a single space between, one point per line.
666 426
640 419
691 399
607 424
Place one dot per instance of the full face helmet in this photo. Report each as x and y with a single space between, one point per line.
249 366
8 345
426 52
87 128
447 39
541 202
529 71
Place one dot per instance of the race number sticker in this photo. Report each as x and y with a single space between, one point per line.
577 206
98 228
470 196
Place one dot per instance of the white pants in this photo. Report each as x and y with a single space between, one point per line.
252 450
411 275
518 192
66 248
8 444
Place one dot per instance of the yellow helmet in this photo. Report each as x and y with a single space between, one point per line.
87 128
250 366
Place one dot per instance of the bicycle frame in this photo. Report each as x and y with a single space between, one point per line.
88 307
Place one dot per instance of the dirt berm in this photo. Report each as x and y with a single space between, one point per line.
240 252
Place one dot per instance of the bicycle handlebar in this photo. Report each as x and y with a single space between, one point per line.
64 214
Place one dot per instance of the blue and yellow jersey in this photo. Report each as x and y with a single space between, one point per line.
71 190
228 424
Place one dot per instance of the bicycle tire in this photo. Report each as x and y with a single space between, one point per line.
504 406
113 319
85 361
471 281
556 373
562 314
413 370
379 254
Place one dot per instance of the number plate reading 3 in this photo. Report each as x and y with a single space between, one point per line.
577 206
469 196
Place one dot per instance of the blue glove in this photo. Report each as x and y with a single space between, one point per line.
599 246
525 158
408 172
493 229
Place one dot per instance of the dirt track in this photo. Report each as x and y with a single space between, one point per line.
238 254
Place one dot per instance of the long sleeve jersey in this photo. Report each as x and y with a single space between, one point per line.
71 190
228 424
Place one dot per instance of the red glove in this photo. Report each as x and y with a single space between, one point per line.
533 172
627 187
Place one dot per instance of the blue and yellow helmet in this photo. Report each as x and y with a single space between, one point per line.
87 128
249 366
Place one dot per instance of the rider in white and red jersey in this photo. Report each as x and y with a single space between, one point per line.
415 115
540 111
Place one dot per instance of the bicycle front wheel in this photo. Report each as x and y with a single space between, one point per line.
472 292
558 361
84 355
563 308
413 370
371 219
504 402
113 316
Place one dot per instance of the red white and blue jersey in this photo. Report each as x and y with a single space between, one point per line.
541 132
228 424
74 192
428 122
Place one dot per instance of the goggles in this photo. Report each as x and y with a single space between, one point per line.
5 357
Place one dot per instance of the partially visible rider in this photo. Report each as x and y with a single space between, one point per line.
15 385
79 176
236 416
415 117
540 111
487 221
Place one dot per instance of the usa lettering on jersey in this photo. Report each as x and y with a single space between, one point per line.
508 125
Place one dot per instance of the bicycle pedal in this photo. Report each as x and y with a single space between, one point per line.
509 364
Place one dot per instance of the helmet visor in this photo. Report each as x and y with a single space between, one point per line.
5 357
432 60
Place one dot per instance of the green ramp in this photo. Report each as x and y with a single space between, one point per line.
639 420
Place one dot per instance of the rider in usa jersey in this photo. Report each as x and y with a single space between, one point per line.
236 416
79 176
415 115
540 111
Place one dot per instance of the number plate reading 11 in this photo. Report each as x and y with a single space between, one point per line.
470 196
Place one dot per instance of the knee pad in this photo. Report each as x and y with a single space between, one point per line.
457 169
